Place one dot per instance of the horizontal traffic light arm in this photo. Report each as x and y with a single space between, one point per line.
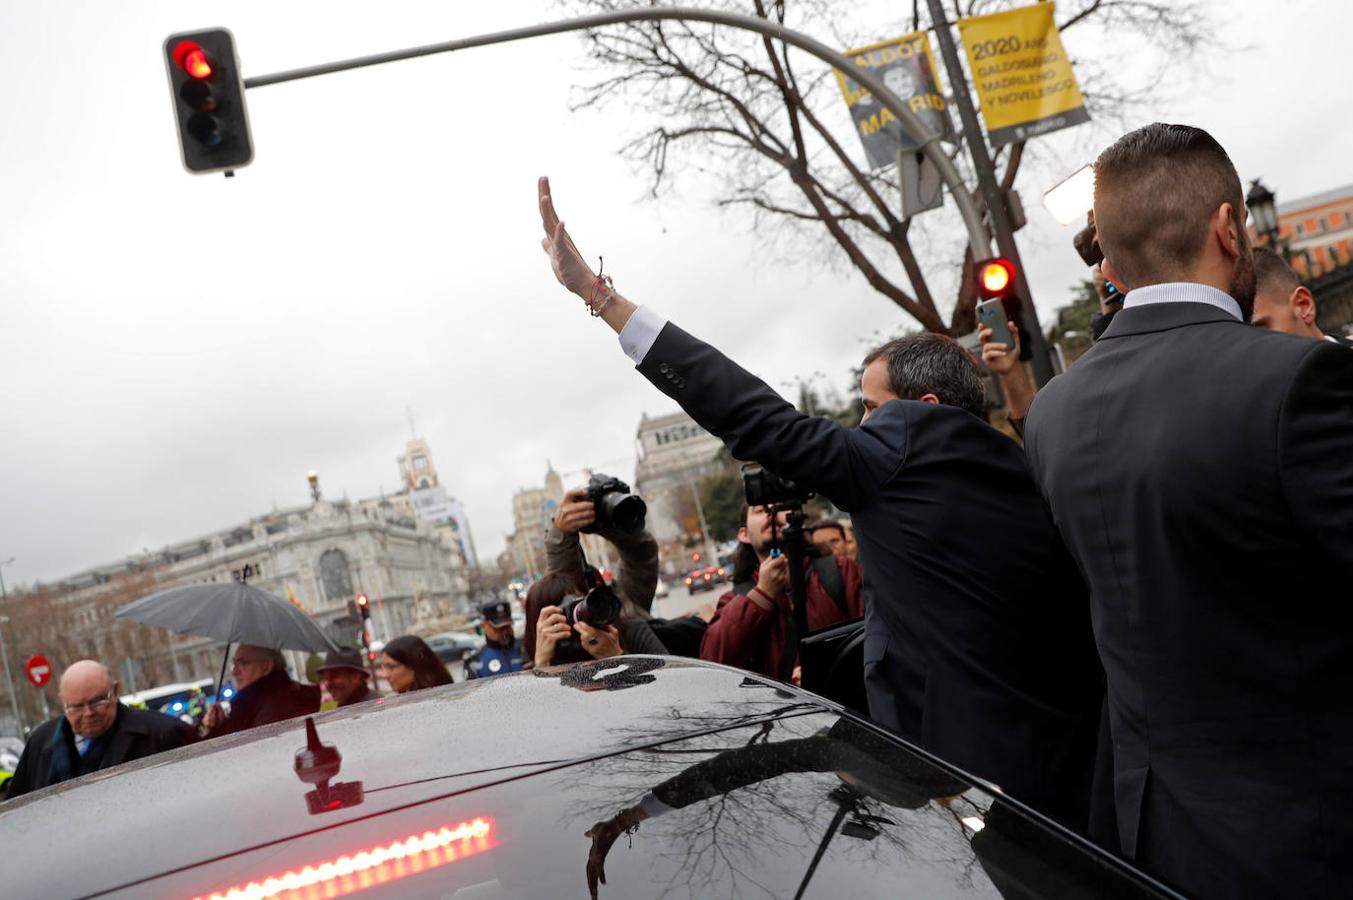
927 140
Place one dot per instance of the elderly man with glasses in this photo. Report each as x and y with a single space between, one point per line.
96 732
264 693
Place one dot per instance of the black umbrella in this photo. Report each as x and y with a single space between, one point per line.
234 612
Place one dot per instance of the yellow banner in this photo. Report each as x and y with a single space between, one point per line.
1022 75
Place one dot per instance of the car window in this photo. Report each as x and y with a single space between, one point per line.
813 803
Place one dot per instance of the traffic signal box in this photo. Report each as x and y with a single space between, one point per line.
996 281
364 607
208 94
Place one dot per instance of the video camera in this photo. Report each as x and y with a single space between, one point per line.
1086 242
616 506
765 488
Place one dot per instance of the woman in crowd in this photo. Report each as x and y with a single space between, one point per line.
409 664
550 640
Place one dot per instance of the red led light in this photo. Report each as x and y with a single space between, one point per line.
996 275
195 64
362 600
365 869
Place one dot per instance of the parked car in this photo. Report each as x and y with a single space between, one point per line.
632 777
453 646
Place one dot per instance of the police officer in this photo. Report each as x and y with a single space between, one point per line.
501 651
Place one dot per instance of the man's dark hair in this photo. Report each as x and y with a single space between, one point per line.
930 363
1156 188
1271 270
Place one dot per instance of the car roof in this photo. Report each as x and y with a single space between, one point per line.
520 758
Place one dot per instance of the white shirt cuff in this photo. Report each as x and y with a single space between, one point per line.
639 333
653 807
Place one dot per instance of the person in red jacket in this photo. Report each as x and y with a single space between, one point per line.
752 621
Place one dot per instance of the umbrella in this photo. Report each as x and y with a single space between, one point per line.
234 612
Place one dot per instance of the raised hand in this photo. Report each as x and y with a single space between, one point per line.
568 264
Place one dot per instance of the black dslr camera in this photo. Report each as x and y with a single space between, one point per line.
765 488
599 607
616 506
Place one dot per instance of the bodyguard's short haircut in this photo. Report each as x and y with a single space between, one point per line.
930 363
1156 189
1271 271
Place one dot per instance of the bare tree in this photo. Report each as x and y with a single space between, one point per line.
781 142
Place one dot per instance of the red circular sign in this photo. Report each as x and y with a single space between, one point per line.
39 670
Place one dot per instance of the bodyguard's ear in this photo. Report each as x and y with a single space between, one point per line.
1225 228
930 398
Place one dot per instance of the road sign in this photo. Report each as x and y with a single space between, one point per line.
39 670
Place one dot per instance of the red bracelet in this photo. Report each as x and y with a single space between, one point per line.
605 284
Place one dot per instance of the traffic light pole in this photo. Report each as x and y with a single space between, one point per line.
991 192
927 141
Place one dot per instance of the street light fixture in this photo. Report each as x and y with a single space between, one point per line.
1264 210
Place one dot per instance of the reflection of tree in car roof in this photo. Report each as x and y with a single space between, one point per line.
723 814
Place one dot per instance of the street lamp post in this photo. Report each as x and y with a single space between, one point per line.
4 654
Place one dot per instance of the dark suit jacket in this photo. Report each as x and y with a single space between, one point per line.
135 733
978 643
1201 471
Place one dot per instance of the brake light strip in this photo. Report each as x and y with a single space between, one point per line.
364 869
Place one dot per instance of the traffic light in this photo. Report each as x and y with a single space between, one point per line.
364 607
208 95
1000 301
995 278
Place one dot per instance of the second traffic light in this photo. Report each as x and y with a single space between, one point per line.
364 607
208 95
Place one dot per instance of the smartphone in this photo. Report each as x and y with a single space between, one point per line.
991 313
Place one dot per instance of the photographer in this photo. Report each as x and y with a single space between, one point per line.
554 634
977 639
636 577
752 621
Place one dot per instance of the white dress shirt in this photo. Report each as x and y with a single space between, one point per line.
639 333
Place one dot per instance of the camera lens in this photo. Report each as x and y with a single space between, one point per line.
626 511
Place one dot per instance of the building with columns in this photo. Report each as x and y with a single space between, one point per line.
674 456
318 556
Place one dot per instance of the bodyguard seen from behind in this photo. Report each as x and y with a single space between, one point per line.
1201 471
97 732
978 643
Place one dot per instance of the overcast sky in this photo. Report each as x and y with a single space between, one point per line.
177 351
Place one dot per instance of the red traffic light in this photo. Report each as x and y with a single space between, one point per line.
995 277
695 557
362 600
192 59
196 64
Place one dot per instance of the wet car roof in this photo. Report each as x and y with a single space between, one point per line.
488 789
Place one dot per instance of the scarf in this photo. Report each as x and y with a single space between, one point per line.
67 763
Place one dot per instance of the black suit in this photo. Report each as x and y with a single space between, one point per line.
978 643
134 733
1201 472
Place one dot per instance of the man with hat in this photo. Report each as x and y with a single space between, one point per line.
501 651
345 678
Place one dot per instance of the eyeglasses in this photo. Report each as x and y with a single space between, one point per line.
96 705
238 663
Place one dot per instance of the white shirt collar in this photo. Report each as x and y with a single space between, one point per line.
1182 292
